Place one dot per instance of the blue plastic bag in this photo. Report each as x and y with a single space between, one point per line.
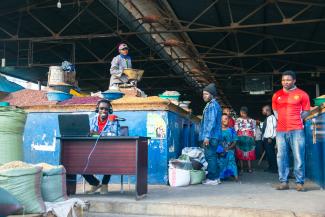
220 149
8 203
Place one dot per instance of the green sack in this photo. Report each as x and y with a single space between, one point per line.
197 176
54 184
25 185
11 134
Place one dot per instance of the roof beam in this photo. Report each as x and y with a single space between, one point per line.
41 23
202 13
75 17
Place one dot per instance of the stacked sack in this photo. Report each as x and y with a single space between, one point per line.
23 181
31 184
188 169
53 184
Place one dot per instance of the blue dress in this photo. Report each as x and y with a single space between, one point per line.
227 160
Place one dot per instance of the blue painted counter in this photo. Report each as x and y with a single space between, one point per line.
170 132
315 149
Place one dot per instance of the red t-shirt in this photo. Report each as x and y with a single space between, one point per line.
289 106
231 122
101 124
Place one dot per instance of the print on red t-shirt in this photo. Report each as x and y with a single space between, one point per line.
289 106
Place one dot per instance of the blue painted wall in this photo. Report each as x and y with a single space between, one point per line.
315 149
41 129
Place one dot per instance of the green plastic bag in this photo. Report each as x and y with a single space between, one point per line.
197 176
25 185
54 184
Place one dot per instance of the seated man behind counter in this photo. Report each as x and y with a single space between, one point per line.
101 125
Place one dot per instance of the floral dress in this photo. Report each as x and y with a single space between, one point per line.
245 129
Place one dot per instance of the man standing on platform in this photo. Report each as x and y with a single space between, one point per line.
290 105
118 64
210 133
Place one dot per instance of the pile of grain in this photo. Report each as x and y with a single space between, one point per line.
139 100
15 164
46 166
81 100
28 97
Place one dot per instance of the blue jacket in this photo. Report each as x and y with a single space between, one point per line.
111 128
211 121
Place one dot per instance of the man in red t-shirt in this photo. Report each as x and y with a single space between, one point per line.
290 105
103 124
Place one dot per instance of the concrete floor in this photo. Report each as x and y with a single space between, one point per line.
254 191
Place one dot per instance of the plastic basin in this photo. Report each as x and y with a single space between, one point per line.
112 95
133 74
58 96
3 104
62 88
319 101
176 97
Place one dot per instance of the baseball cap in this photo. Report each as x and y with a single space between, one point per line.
122 46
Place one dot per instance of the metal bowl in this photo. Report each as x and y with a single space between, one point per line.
133 74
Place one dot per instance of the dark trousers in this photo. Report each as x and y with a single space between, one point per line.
259 148
269 148
210 153
92 180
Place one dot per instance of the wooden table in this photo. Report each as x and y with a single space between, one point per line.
112 155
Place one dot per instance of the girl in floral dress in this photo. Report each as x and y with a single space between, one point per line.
245 128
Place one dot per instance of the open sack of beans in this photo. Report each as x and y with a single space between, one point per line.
23 181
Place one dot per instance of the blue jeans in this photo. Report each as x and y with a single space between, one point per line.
210 153
296 140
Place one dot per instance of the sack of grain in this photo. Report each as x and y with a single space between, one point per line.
23 181
11 134
53 183
197 176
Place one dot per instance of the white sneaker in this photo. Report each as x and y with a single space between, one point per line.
211 182
104 189
93 189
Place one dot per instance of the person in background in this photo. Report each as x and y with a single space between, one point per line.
290 105
245 128
210 133
231 121
101 124
258 140
226 159
118 64
269 133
